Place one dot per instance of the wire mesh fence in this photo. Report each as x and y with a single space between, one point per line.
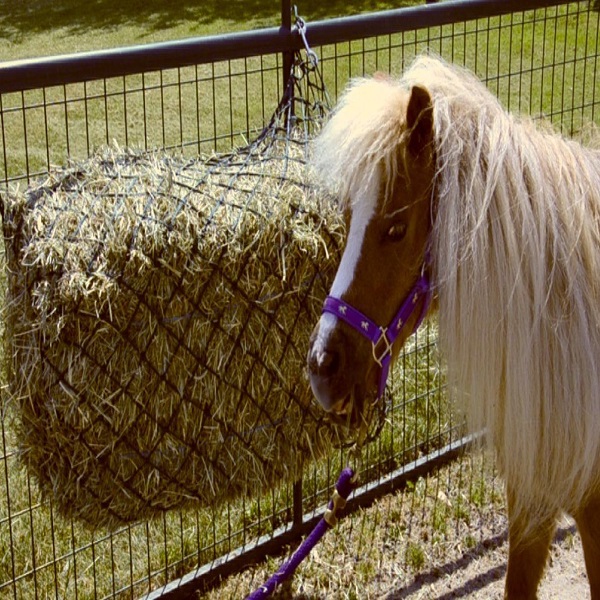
200 108
539 61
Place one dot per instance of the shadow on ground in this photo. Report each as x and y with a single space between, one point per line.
18 18
474 584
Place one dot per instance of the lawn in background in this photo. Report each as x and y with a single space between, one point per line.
30 28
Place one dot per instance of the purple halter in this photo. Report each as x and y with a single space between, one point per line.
382 338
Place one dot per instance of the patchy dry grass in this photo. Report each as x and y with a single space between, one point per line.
444 537
400 543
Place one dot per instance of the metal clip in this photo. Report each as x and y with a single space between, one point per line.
330 515
301 27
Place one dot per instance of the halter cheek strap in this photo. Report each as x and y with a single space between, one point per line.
383 338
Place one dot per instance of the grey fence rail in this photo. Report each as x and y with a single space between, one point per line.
206 95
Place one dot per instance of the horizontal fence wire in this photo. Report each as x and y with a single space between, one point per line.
539 58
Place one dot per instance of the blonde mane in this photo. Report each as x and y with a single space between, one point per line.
516 259
516 253
365 143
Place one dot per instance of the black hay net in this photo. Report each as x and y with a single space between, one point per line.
157 320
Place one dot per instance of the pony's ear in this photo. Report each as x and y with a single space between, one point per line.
419 120
381 76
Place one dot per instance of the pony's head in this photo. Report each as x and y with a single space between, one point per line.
377 152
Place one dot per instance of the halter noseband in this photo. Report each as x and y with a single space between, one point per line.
382 338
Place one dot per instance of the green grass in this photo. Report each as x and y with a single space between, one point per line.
43 27
187 109
415 556
195 108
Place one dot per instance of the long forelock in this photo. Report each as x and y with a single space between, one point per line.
362 141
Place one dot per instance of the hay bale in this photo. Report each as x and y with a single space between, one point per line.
157 321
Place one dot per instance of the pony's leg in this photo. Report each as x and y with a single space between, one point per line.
588 523
527 555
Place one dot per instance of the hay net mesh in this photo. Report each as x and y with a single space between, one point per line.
157 320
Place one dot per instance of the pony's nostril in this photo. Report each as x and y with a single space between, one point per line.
329 363
324 363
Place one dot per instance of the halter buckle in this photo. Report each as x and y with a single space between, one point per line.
386 350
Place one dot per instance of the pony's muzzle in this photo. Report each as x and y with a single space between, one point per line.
326 359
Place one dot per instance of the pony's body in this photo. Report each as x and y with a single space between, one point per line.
512 225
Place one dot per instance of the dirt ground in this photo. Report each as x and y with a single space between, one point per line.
443 538
481 576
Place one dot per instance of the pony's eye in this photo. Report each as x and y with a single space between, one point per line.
396 232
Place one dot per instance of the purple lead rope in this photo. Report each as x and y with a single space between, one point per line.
343 489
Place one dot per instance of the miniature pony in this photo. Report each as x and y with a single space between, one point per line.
501 219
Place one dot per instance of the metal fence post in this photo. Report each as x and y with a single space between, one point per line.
286 26
297 506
